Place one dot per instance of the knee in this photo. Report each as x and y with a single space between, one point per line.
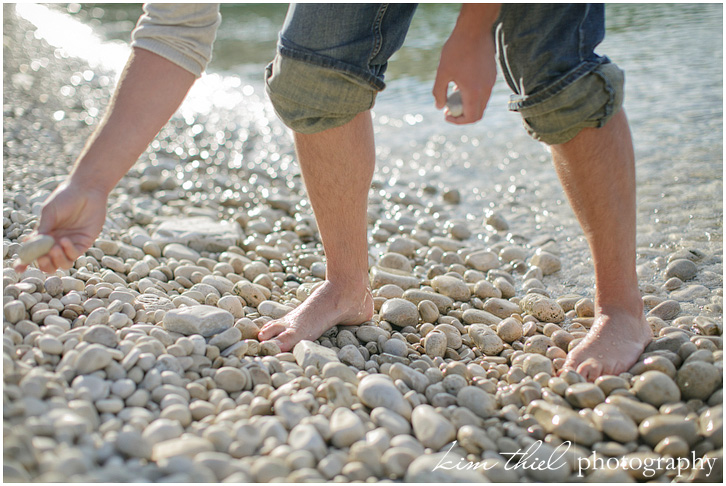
310 98
588 102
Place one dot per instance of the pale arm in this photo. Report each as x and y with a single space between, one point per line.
469 59
150 90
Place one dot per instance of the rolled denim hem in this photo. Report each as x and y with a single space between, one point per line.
519 102
310 98
587 97
330 63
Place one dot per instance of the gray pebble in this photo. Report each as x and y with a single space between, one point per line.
93 358
656 388
395 347
35 248
698 379
201 319
430 428
681 268
350 355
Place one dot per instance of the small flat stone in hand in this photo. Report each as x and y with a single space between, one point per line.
35 248
454 104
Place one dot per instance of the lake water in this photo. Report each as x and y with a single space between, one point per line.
673 58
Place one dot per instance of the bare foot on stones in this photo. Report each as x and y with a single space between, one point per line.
614 343
327 306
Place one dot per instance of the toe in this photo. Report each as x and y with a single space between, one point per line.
590 369
615 368
558 363
279 345
609 368
287 340
271 329
571 362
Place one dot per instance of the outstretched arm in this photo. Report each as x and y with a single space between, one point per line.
150 90
468 59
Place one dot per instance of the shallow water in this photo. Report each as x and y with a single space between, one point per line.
673 58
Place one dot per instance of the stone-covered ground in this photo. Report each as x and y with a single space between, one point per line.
142 363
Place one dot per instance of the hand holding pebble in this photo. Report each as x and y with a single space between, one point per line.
454 104
35 248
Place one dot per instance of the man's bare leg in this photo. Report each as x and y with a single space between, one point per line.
597 170
337 167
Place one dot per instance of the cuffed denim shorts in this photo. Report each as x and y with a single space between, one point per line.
331 61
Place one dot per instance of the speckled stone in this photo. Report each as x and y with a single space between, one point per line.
544 309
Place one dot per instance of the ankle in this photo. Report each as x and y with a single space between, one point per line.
352 304
629 302
348 286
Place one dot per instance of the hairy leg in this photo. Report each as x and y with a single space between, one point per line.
597 171
337 167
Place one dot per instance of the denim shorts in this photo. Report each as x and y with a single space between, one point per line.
331 61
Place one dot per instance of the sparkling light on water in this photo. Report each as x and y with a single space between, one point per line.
211 92
54 27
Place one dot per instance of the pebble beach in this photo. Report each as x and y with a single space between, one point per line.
142 362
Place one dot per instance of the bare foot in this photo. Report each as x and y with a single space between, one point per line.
327 306
613 344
